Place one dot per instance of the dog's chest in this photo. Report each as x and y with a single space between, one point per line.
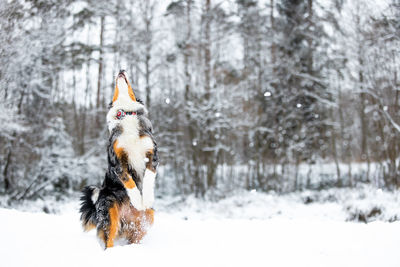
134 145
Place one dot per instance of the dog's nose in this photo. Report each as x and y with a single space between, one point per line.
121 73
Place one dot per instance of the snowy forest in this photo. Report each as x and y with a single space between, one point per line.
273 95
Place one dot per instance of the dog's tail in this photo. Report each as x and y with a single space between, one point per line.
88 208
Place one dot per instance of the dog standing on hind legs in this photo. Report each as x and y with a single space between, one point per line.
122 206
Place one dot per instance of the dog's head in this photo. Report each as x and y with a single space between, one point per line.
124 108
122 87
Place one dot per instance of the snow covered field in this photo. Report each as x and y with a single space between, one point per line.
249 229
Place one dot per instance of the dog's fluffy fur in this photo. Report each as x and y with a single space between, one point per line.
122 206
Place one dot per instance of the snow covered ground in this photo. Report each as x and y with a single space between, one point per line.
247 229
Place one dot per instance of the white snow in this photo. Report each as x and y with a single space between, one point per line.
249 229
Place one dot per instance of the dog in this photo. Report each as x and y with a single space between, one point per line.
122 208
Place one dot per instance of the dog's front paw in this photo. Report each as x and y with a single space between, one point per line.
148 189
135 198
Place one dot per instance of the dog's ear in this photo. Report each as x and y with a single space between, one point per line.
112 157
140 101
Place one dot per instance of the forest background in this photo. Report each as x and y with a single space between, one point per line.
275 95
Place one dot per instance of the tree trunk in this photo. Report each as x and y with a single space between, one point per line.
186 51
147 21
272 21
334 152
7 180
207 49
100 70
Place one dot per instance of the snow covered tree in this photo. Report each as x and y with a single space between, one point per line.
241 93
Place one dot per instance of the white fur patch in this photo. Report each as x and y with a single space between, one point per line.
135 147
135 198
148 188
124 104
95 195
122 85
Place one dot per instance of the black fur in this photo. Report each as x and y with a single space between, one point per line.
135 178
146 128
88 209
111 192
112 158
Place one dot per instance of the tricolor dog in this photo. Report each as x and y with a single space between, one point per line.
122 207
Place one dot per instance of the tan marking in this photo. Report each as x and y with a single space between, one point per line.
149 163
137 222
149 156
114 220
119 151
125 178
128 182
150 216
130 92
101 235
88 226
116 93
143 221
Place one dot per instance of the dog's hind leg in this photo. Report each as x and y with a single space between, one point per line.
108 228
140 224
114 223
113 227
143 224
